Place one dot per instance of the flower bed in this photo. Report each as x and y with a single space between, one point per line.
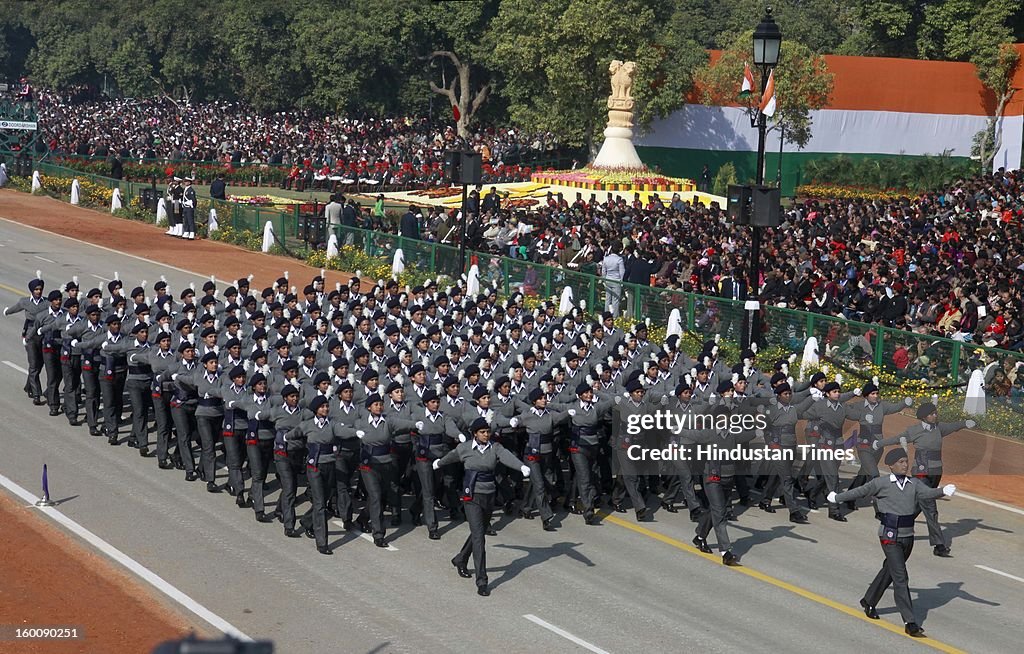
834 192
263 200
599 179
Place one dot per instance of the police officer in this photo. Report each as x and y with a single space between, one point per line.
479 457
899 498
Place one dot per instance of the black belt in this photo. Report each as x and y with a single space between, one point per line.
213 401
585 431
435 439
895 521
140 370
376 450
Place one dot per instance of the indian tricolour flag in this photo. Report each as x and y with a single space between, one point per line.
748 82
768 97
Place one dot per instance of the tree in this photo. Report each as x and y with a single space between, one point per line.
463 100
996 66
556 78
802 83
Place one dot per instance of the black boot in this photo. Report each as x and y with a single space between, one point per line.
701 544
766 506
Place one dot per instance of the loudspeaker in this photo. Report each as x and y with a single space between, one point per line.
453 167
765 201
472 164
738 201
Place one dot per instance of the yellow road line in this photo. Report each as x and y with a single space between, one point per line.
13 290
778 583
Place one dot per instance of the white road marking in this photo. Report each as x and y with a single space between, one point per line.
117 555
79 243
16 367
45 259
982 500
1000 572
564 634
365 536
102 279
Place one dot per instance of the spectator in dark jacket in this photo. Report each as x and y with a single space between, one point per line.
410 226
218 188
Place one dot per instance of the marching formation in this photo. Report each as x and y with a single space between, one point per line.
383 403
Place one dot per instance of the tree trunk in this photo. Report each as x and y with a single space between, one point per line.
467 102
994 123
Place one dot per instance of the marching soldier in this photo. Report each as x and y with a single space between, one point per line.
113 376
318 434
70 361
289 454
927 438
899 498
47 327
205 382
34 305
870 414
479 458
160 360
184 403
430 445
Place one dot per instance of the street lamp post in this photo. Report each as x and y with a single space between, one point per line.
767 44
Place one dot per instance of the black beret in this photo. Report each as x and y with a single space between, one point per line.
479 425
209 356
317 402
894 455
237 371
925 410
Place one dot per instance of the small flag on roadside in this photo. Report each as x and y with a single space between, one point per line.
768 97
748 82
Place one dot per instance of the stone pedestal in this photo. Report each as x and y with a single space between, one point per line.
617 151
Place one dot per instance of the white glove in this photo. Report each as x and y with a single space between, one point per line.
971 424
875 445
5 310
174 377
74 342
462 438
948 490
39 332
572 412
104 344
903 442
436 465
514 422
264 344
247 365
525 470
419 425
839 378
831 497
857 392
360 433
908 401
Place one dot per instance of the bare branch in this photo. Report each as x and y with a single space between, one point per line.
481 97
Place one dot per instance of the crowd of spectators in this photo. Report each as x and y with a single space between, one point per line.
313 146
946 263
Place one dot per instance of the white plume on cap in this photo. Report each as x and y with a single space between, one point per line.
735 377
249 277
74 278
143 284
117 276
285 275
192 285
